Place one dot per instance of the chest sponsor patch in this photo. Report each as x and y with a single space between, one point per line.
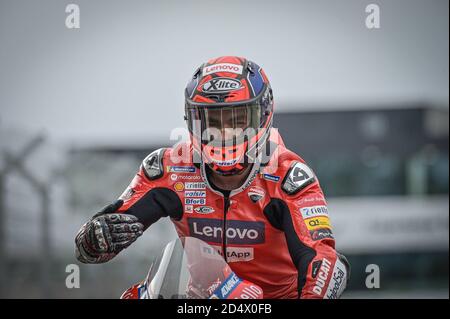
194 185
194 201
237 254
237 232
195 193
317 222
204 210
180 169
256 193
178 186
175 177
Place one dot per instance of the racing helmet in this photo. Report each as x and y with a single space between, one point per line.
229 112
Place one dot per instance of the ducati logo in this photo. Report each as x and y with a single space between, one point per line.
220 85
256 193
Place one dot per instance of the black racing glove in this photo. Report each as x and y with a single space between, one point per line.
106 234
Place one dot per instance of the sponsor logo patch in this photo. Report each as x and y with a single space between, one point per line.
322 276
194 185
237 232
299 177
315 268
204 210
188 209
314 211
336 285
175 177
321 233
180 169
219 85
237 254
179 187
317 200
228 285
256 193
194 201
195 194
271 178
225 163
223 67
317 222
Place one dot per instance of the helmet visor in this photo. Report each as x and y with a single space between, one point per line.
225 125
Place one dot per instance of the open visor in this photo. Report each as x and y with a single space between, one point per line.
224 125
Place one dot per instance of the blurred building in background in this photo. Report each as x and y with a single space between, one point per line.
367 109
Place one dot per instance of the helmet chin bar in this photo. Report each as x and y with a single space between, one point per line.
252 156
233 172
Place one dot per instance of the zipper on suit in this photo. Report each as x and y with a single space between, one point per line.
226 205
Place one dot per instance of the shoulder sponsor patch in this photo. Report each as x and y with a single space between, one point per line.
298 177
312 201
321 233
153 164
272 178
317 222
314 211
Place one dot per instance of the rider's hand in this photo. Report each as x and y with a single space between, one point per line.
106 234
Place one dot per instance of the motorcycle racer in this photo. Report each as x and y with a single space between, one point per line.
235 186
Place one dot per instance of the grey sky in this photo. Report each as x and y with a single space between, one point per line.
121 76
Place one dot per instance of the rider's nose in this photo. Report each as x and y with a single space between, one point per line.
228 133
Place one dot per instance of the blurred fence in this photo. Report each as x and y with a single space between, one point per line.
48 191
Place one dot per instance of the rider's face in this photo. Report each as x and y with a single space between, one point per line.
227 122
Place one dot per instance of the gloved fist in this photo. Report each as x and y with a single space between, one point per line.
106 234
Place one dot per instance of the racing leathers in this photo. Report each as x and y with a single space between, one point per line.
273 231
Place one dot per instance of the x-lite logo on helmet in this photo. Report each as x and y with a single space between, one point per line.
232 96
220 85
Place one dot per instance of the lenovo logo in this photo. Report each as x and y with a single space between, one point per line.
237 232
223 67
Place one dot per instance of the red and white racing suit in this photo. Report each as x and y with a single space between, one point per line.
274 231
